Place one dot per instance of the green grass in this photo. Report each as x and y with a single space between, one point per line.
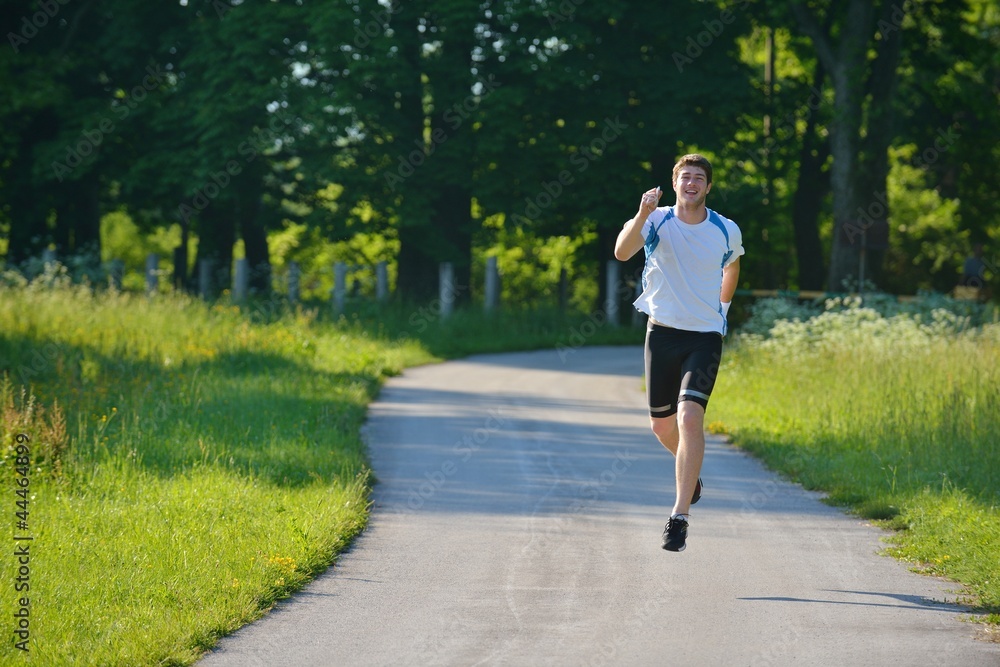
895 418
470 331
213 465
193 464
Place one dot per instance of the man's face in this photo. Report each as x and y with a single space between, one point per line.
692 186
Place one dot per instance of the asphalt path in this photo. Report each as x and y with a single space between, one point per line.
517 521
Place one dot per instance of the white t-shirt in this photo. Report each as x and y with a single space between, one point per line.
683 275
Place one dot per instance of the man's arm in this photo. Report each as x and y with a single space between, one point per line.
630 237
730 279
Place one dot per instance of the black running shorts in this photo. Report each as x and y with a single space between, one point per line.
680 366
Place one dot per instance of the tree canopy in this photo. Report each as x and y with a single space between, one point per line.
843 134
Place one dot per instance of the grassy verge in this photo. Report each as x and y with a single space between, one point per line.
210 464
470 331
897 418
192 464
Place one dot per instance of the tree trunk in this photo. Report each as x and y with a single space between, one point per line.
847 67
255 242
78 217
417 274
216 235
28 211
181 282
29 205
812 186
451 149
874 163
453 209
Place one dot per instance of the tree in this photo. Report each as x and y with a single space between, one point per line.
69 79
602 99
860 130
219 144
951 136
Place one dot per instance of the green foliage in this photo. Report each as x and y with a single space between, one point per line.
213 463
400 129
948 104
121 239
530 267
316 256
781 319
929 244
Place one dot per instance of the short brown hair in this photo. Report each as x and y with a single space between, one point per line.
693 160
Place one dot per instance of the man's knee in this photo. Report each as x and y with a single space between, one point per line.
663 427
690 416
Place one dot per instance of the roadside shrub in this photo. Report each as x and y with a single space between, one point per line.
870 314
22 413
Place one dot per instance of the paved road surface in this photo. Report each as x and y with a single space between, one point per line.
517 521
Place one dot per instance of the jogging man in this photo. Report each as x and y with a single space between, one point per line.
692 268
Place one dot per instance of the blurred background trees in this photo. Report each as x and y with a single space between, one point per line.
843 135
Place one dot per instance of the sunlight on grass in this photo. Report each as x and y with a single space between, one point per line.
209 458
215 465
193 463
896 417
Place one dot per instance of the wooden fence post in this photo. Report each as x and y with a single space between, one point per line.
446 288
241 280
492 284
611 296
294 280
152 273
339 286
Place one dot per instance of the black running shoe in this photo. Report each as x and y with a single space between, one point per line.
675 534
697 492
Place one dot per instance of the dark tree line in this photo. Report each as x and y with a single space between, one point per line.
418 120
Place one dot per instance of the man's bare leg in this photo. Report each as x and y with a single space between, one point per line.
690 452
665 430
687 444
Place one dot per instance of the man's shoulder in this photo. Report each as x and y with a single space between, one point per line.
722 218
656 219
728 223
660 214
